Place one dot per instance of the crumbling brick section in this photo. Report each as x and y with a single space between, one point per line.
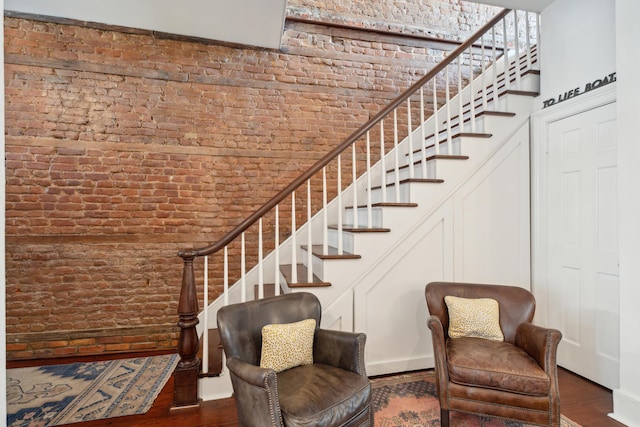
122 148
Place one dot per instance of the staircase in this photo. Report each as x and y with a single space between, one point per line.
382 214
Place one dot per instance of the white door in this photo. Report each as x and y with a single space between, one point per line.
582 242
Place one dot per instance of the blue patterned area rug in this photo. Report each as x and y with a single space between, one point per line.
63 394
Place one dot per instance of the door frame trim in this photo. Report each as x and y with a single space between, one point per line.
540 122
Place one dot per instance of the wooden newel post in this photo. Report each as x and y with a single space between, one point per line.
186 373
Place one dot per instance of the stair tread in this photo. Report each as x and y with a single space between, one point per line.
386 204
460 135
396 204
215 354
501 80
413 180
501 88
433 157
422 180
521 92
361 229
268 289
523 72
454 127
302 276
497 113
448 157
332 253
474 135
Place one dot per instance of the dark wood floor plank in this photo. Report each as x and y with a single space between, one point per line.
585 402
581 400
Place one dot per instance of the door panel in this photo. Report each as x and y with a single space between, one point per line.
582 242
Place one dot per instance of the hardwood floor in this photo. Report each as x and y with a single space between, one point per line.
585 402
581 400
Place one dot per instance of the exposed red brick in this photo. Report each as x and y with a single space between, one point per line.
122 149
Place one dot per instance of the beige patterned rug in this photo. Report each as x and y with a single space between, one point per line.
411 400
63 394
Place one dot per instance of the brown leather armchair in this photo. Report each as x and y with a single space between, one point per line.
515 378
333 391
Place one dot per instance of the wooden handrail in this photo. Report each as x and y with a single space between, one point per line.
186 373
386 33
248 222
377 31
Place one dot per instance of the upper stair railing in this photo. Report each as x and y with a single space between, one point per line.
474 68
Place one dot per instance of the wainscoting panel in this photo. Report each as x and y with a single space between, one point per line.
389 301
480 233
492 227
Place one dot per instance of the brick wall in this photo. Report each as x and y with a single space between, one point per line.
123 148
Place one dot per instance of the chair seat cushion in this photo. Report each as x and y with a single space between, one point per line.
496 365
321 395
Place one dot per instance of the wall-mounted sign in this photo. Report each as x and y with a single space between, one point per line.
610 78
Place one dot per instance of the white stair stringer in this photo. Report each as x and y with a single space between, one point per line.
388 296
342 305
400 220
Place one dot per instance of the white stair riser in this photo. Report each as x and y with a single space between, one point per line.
363 216
347 240
444 149
318 265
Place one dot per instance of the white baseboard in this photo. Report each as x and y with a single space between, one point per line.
398 366
215 388
626 409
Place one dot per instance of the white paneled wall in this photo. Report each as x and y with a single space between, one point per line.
479 233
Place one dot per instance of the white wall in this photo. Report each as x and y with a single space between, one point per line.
530 5
584 40
626 399
250 22
577 46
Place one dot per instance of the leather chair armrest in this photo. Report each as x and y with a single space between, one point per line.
255 389
341 349
540 343
251 374
439 353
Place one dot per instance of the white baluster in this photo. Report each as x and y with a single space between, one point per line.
383 165
472 101
369 208
325 221
354 176
538 38
447 102
436 129
494 68
505 55
309 236
260 263
483 67
294 245
276 270
396 154
410 136
340 237
460 108
528 41
225 274
243 264
423 149
517 49
205 315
